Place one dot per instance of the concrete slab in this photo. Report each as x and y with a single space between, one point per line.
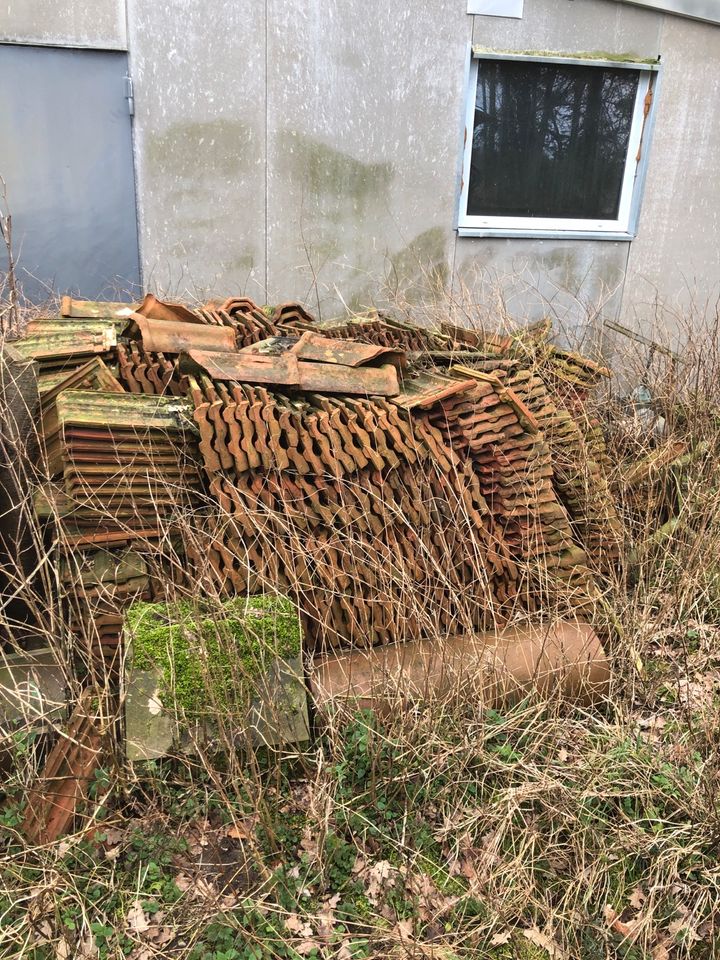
199 79
32 690
150 730
364 120
278 715
80 23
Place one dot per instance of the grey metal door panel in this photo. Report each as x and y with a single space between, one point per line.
66 157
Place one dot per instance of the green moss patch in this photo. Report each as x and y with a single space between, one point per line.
211 658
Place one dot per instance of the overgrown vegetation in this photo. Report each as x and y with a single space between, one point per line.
526 833
445 829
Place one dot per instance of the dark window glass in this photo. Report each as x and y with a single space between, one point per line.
550 140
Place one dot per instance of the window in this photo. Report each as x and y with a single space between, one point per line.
553 145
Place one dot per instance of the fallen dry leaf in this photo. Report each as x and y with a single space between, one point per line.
160 934
682 926
652 722
307 946
553 949
87 949
142 952
660 952
498 939
403 929
135 919
197 888
238 831
380 876
628 929
344 952
431 902
296 924
309 843
469 870
42 931
326 918
113 836
637 898
63 950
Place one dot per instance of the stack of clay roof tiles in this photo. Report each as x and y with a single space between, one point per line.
395 481
116 468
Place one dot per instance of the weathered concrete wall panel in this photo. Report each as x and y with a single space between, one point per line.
574 282
364 111
73 23
577 282
311 150
574 26
676 256
199 77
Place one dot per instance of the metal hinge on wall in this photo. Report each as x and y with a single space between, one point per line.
129 95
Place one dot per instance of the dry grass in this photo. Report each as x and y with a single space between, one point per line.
447 830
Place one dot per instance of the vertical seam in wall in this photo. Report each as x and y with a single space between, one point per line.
267 169
621 303
135 153
455 197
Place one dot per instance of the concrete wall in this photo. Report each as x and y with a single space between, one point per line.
675 258
65 23
308 150
364 108
574 281
200 144
311 150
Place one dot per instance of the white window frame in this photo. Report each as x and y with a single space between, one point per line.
622 228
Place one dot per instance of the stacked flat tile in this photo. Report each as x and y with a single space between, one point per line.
377 514
513 462
344 503
118 468
128 462
581 465
60 346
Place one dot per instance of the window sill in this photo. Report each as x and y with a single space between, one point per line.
545 234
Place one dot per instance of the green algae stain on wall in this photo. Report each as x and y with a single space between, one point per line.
196 150
421 268
326 172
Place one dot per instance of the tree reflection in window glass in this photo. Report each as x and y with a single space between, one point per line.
550 140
